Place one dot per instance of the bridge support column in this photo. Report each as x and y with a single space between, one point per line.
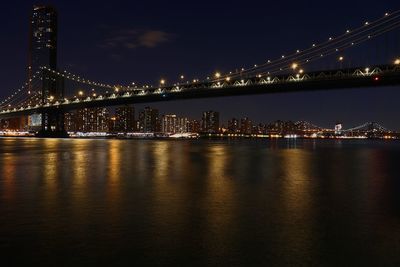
53 118
53 124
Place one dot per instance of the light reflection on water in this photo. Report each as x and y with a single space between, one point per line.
199 202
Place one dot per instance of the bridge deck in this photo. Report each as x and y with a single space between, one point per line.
335 79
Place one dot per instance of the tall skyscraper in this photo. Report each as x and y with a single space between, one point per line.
149 121
125 119
233 126
210 122
168 123
92 120
246 126
70 121
43 48
173 124
194 126
43 41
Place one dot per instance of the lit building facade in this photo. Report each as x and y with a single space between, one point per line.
149 121
233 126
194 126
70 122
124 119
92 120
210 122
43 46
173 124
246 126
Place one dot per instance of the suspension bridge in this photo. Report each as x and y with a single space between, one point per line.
363 57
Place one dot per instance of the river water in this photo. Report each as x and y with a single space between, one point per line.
199 202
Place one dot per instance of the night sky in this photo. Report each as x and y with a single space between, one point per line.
143 41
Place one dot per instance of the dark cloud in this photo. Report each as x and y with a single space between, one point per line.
134 38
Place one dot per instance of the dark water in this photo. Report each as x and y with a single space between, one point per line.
199 203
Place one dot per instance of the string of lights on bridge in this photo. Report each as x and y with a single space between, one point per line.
21 89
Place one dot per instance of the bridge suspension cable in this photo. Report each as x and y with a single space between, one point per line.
388 23
335 50
76 78
18 95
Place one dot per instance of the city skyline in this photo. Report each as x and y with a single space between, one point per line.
350 106
149 120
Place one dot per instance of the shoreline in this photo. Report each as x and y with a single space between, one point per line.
208 137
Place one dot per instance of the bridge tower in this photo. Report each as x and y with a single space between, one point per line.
42 57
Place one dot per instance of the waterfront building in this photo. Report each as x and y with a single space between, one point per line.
149 121
233 126
210 122
70 121
92 120
246 126
194 126
124 119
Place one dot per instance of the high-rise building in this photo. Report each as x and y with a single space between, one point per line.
34 122
260 129
125 119
210 122
169 123
70 121
43 45
92 120
233 126
43 42
149 121
282 127
246 126
183 125
194 126
173 124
